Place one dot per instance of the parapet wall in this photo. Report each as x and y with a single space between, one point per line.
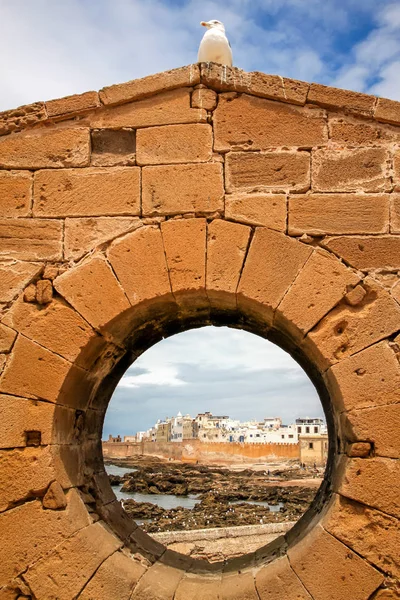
204 195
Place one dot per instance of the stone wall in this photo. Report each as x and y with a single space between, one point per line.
204 195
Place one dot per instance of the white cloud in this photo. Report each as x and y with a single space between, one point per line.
162 375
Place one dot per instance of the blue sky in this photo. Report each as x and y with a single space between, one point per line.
55 48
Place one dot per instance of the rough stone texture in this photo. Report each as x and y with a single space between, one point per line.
172 190
278 576
54 498
113 147
87 192
378 425
7 338
168 108
115 578
309 559
22 117
15 193
26 239
330 97
360 133
395 214
174 144
41 149
158 583
222 278
272 171
44 291
367 252
252 123
84 235
387 111
71 105
272 264
238 587
358 449
199 588
266 210
351 170
92 289
204 98
304 305
320 214
14 277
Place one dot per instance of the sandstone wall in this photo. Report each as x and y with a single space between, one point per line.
202 195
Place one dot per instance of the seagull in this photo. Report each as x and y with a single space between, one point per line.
215 47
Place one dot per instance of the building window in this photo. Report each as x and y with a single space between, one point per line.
307 430
299 430
290 436
315 429
311 446
282 436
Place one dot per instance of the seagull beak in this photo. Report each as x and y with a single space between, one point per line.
204 23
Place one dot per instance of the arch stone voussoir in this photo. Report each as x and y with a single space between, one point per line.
203 195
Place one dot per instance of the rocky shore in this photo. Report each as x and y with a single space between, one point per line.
225 496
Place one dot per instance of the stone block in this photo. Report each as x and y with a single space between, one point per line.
158 583
250 123
15 193
387 111
115 578
32 532
395 214
269 171
330 97
238 586
84 235
30 293
272 263
371 481
349 329
358 449
351 170
355 296
369 378
204 98
321 214
367 252
224 240
265 210
139 262
277 580
174 144
44 291
87 192
360 133
199 588
152 84
7 338
396 170
75 560
50 272
44 148
30 239
14 277
113 147
329 570
379 425
54 498
21 117
167 108
173 190
304 305
93 290
72 105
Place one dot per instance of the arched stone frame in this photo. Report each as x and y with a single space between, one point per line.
151 283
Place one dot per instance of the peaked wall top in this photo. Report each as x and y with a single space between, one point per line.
214 76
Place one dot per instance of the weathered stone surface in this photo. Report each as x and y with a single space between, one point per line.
351 170
395 214
369 378
330 97
115 578
15 193
304 305
273 171
252 123
87 192
172 190
266 210
356 295
278 578
84 235
199 588
158 583
387 111
204 98
30 293
174 144
113 147
222 277
47 527
30 239
44 148
139 261
44 291
75 561
396 170
50 272
7 337
351 577
272 264
372 481
92 289
72 105
320 214
168 108
358 449
359 133
238 586
21 117
379 425
14 277
54 498
367 252
152 84
396 292
347 329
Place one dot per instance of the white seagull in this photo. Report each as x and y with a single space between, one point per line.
214 47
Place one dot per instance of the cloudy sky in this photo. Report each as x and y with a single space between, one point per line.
52 48
222 370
